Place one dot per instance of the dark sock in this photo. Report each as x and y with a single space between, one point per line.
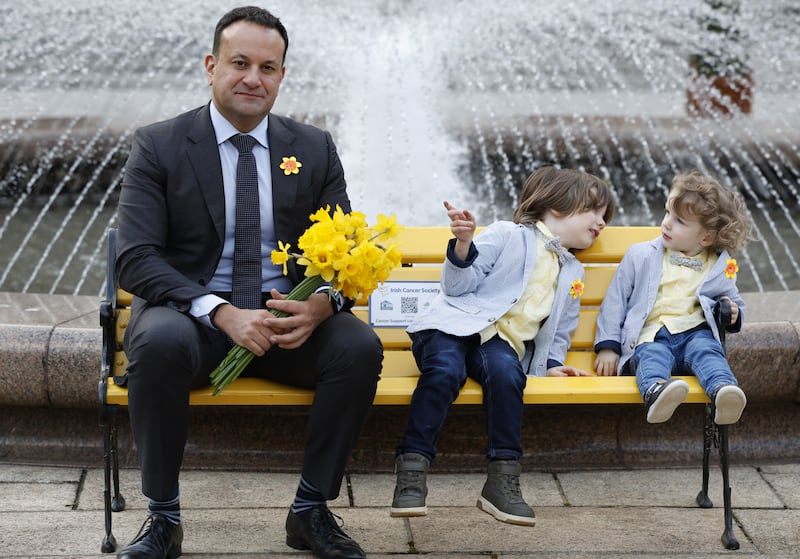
170 509
307 496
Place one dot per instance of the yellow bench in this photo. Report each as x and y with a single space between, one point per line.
423 252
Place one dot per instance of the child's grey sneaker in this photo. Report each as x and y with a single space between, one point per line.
663 398
411 488
501 496
729 403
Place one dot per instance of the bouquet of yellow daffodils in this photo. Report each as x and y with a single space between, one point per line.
339 249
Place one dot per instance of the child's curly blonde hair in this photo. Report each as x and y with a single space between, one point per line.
719 210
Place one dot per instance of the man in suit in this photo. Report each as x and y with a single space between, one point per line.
176 254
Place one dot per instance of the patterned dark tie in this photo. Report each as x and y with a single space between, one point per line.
246 281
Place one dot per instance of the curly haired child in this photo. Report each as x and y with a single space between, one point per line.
657 318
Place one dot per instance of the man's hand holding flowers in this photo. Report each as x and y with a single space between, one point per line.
304 316
245 327
340 250
258 330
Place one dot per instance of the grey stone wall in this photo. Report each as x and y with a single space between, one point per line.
50 348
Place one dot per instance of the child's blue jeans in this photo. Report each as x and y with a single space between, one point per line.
445 362
694 352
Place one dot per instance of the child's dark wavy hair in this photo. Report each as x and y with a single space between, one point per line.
565 191
719 210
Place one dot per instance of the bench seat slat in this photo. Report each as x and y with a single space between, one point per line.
397 390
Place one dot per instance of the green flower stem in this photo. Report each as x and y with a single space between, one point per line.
238 357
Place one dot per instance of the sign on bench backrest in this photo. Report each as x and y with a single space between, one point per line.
395 304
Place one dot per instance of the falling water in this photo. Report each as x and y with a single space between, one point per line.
458 102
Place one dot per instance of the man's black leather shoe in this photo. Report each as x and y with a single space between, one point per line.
317 530
158 539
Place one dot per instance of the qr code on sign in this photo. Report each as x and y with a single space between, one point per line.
409 305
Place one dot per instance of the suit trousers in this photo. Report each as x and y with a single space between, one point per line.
170 353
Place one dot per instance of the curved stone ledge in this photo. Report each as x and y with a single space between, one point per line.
765 358
50 349
22 377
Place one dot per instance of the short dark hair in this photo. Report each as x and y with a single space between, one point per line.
253 14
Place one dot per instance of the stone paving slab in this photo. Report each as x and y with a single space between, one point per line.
20 473
571 529
785 480
55 534
772 531
32 497
54 512
669 488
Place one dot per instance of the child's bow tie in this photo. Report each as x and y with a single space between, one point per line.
554 245
680 260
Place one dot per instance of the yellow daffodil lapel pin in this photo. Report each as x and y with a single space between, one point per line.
731 267
290 165
577 288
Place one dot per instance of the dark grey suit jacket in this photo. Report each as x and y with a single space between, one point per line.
172 203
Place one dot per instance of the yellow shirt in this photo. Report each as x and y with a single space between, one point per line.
523 320
676 306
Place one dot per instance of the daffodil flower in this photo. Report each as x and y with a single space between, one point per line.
281 256
731 268
577 288
290 165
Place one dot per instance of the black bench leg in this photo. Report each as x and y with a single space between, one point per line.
109 542
703 500
728 539
118 502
